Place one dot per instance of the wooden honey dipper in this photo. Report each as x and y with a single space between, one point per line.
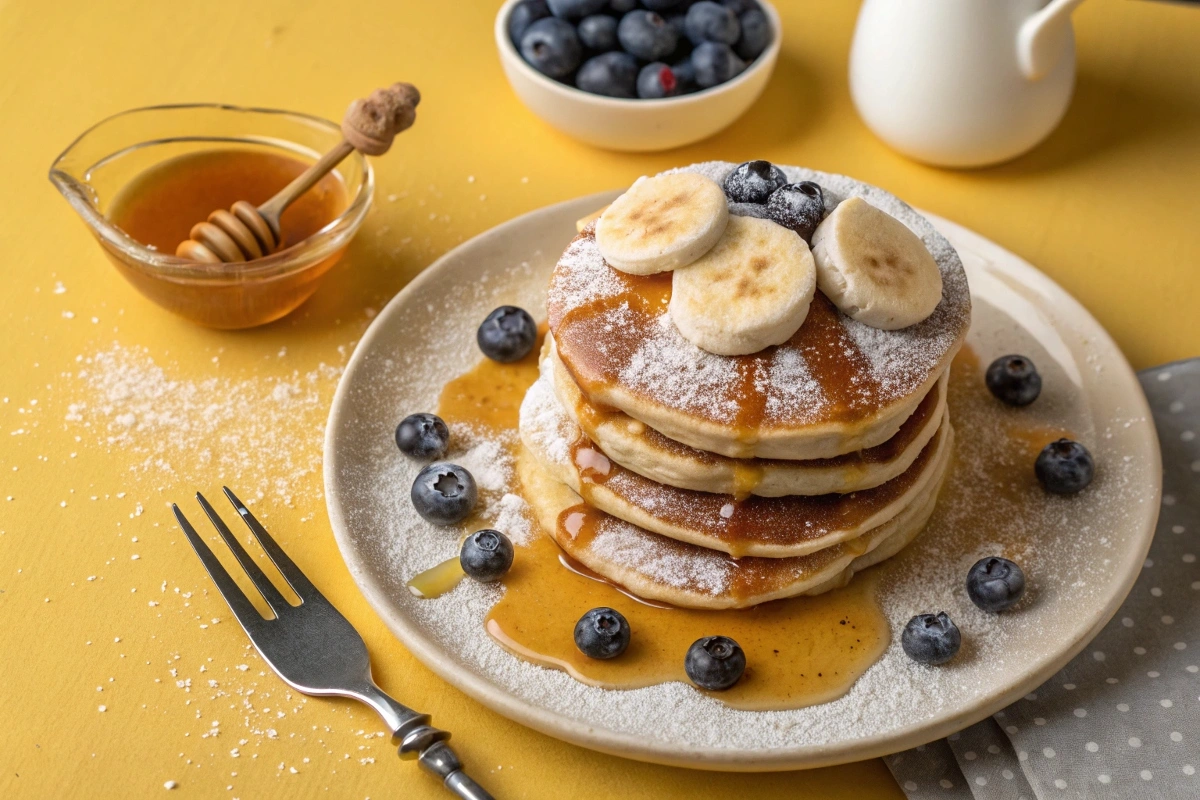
245 232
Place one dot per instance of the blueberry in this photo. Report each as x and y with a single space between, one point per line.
523 15
679 23
995 584
551 47
740 7
714 662
710 22
486 555
931 638
598 33
423 436
756 35
444 493
622 6
1064 467
656 80
715 63
660 5
685 74
575 9
602 633
753 182
646 35
799 206
508 333
612 74
1014 380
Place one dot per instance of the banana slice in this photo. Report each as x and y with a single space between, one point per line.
750 291
874 268
662 223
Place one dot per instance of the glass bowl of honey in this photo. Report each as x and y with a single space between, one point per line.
141 179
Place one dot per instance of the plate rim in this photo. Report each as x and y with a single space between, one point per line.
566 728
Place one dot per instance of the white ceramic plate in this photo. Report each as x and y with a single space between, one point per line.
1089 560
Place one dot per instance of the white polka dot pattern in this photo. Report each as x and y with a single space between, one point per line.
1123 718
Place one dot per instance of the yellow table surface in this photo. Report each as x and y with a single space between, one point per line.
110 632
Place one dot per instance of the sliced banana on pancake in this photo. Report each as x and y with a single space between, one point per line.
750 291
874 268
662 223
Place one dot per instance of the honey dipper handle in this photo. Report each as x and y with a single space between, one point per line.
274 208
369 126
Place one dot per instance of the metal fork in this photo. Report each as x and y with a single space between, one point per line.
316 650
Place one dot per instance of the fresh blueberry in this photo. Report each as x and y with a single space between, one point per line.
612 74
740 7
602 633
1064 467
598 33
715 662
508 333
646 35
622 6
995 584
799 206
551 47
575 9
679 23
486 555
660 5
931 638
715 63
756 35
656 80
423 436
1014 380
711 22
523 15
444 493
754 182
685 74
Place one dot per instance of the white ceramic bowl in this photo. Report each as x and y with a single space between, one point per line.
619 124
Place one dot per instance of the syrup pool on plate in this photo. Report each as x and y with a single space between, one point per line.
800 651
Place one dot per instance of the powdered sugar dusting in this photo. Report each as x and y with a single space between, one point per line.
660 559
682 374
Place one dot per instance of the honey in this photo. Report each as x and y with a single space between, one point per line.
159 207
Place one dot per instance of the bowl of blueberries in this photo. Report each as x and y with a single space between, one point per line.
638 74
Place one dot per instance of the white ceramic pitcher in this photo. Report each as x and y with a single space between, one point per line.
963 83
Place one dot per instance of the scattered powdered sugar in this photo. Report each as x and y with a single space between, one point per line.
261 434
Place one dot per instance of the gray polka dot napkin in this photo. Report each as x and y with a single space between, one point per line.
1122 720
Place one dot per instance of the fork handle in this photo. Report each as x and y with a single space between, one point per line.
440 760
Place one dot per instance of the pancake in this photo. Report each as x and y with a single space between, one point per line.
639 448
771 527
837 386
658 568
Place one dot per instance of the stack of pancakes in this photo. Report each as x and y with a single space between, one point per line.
714 481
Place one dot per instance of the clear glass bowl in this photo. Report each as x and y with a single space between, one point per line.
108 156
